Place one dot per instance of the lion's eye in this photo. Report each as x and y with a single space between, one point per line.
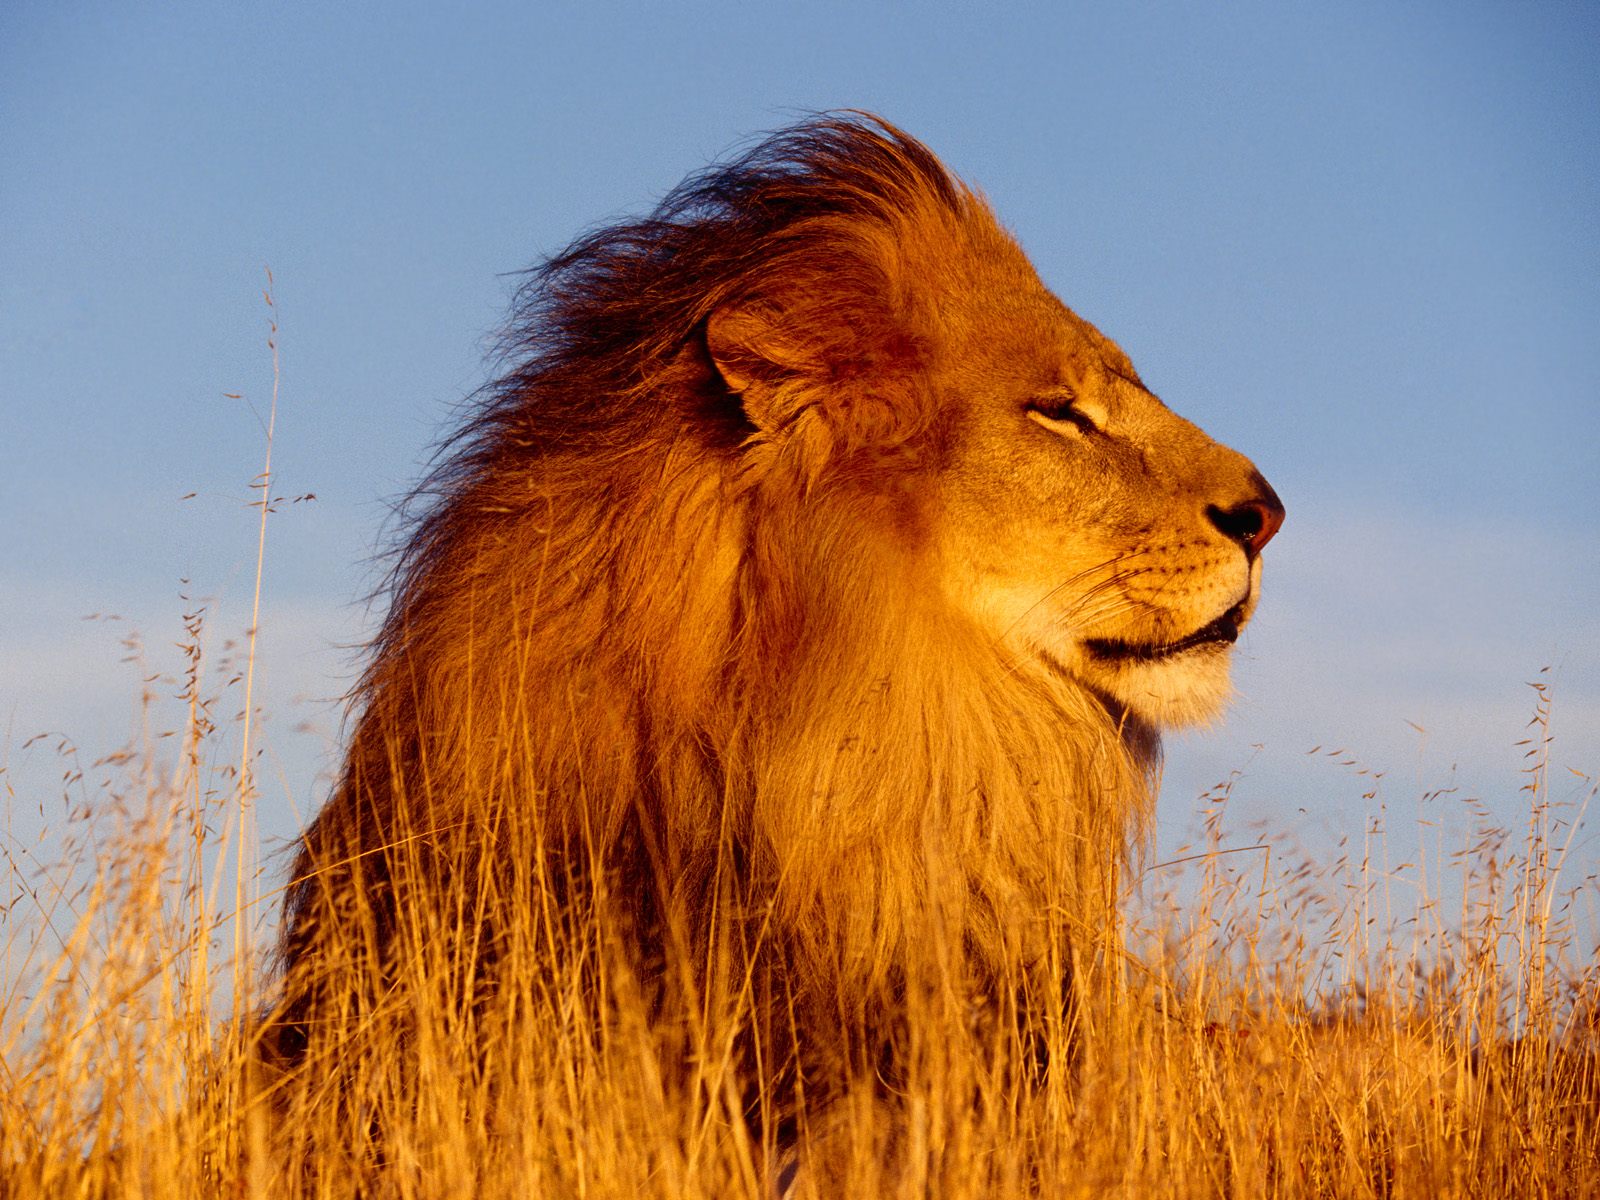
1059 409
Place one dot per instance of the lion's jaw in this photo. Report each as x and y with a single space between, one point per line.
1169 682
1173 681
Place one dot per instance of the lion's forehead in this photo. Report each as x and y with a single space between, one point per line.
1028 339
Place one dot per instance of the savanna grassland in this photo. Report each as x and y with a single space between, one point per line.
1285 1028
1257 1023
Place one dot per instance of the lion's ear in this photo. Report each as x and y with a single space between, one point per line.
750 350
825 342
743 347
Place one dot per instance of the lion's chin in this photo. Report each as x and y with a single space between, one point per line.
1176 691
1173 684
1169 685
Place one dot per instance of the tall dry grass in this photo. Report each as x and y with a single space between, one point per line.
1281 1030
1270 1026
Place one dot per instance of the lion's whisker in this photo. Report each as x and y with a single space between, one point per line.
1068 582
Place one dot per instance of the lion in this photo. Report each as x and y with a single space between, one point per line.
802 608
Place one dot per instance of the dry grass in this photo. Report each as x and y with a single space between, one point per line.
1281 1031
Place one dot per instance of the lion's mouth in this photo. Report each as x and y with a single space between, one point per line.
1223 631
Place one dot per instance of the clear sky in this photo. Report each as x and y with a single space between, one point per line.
1359 242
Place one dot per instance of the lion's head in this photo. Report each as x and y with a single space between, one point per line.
814 566
1071 513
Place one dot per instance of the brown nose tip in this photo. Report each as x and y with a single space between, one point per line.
1252 523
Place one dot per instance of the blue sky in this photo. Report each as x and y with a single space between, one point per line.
1359 242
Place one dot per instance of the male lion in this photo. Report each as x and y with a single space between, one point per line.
789 632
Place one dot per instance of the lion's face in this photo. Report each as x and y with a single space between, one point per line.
1085 524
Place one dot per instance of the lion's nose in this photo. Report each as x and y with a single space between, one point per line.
1252 523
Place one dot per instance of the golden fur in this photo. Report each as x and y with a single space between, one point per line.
816 588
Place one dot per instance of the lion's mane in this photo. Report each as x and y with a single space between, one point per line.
646 641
